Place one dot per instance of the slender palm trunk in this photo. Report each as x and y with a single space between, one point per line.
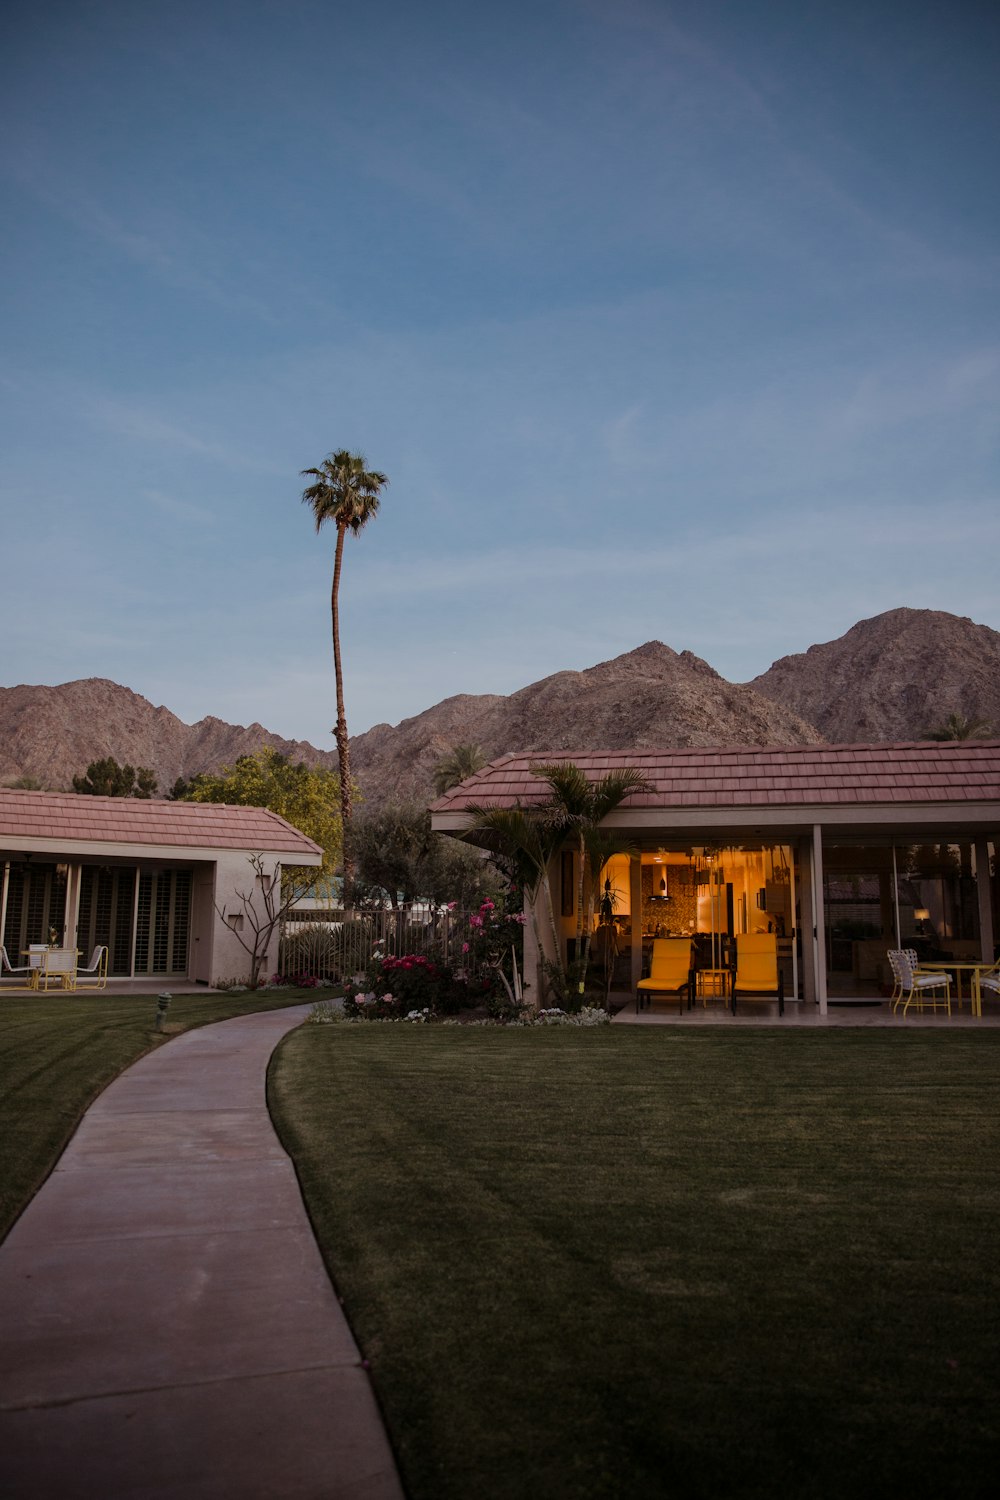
550 912
580 929
340 732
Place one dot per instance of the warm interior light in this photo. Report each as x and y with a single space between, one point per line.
921 914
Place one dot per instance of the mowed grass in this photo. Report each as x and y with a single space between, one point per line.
658 1262
58 1051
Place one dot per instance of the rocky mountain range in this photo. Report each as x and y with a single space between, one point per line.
892 678
889 678
53 733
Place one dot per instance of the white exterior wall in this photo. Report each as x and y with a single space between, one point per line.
229 959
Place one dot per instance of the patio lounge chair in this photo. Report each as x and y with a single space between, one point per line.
669 972
20 972
758 976
917 984
95 975
990 980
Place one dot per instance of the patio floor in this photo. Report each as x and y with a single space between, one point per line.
860 1012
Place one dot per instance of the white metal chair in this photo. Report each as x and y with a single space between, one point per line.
94 976
989 981
918 985
58 968
13 971
894 955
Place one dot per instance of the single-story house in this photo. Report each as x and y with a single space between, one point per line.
842 851
158 883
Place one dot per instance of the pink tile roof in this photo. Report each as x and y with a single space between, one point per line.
127 820
788 775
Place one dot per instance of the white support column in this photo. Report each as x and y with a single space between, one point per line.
986 934
71 919
3 904
135 925
795 942
819 918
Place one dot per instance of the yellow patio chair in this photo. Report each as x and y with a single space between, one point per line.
669 972
919 984
758 975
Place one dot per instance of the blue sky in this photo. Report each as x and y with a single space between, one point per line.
666 321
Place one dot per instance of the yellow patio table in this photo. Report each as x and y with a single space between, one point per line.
975 993
709 982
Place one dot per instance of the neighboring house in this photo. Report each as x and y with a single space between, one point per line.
151 880
843 851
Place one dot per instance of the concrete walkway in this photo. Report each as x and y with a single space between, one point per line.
167 1325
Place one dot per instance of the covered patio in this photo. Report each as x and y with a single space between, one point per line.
839 852
156 884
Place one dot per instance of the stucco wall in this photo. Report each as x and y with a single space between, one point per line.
229 958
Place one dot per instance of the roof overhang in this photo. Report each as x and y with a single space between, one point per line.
789 820
96 849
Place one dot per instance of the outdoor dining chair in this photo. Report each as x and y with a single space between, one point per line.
895 957
918 986
13 971
669 972
990 980
58 967
94 976
758 974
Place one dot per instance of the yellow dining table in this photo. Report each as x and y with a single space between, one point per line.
951 967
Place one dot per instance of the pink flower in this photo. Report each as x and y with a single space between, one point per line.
475 921
465 947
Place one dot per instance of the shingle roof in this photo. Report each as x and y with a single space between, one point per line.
786 775
129 820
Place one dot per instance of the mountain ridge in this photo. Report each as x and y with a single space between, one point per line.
891 677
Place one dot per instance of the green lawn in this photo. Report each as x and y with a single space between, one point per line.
57 1052
659 1262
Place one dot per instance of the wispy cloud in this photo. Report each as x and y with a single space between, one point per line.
180 510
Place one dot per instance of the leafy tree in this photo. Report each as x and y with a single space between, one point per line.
106 778
347 493
395 852
460 762
306 797
958 727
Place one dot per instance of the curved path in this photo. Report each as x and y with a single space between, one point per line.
168 1326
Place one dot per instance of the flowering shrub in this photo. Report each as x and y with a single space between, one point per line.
367 1005
486 952
414 979
295 981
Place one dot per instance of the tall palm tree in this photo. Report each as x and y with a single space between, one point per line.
346 492
460 762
